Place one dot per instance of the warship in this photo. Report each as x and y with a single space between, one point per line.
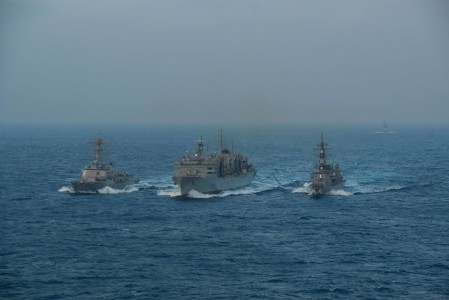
385 129
326 177
212 173
99 174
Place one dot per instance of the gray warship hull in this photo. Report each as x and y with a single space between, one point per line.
212 185
98 175
327 177
94 187
317 190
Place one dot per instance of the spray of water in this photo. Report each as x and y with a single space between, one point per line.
166 188
66 189
109 190
169 193
305 189
340 193
105 190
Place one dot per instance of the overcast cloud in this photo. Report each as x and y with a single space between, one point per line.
242 61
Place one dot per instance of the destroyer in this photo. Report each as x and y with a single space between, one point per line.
326 177
98 175
212 173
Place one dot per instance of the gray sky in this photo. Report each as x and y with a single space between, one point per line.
224 61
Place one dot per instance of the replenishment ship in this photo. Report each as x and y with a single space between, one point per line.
212 173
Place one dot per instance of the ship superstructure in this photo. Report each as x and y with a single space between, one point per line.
326 177
99 174
212 173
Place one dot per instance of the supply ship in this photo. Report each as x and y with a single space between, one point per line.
326 177
212 173
98 175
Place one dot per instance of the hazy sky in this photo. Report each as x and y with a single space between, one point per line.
224 61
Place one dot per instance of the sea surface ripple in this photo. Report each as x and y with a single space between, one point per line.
385 236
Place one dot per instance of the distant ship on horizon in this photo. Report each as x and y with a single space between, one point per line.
212 173
385 129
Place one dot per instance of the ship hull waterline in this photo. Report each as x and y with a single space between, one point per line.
85 187
320 191
213 185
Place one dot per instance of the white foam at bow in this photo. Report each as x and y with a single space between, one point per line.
340 193
174 191
66 189
198 195
243 191
169 193
109 190
305 189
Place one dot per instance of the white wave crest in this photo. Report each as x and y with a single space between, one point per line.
372 189
245 191
169 193
127 189
143 184
198 195
305 189
157 183
105 190
340 193
175 192
66 189
396 187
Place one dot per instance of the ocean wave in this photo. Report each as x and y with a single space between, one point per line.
105 190
173 191
109 190
198 195
305 189
169 193
340 193
353 187
244 191
66 189
370 189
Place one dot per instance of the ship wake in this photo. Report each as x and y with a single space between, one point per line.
340 193
170 190
106 190
66 189
354 188
306 189
372 189
109 190
174 191
244 191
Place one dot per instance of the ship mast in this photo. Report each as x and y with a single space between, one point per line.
98 149
322 152
221 140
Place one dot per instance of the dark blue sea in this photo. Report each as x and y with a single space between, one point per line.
385 236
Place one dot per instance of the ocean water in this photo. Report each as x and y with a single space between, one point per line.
385 236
